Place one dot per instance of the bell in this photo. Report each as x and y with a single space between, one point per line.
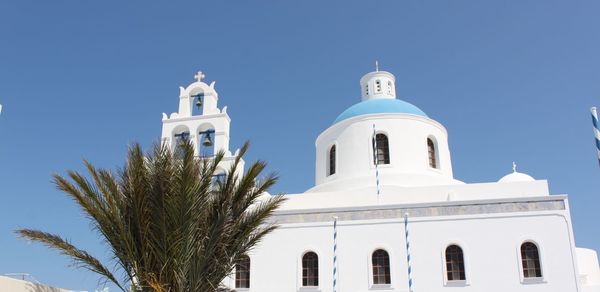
182 138
207 142
198 103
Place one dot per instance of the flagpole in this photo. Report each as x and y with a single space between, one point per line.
375 153
335 253
596 131
410 282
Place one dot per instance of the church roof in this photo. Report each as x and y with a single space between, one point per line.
379 106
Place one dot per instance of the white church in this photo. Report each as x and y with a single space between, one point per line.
384 188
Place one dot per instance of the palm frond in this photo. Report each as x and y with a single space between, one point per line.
80 257
168 226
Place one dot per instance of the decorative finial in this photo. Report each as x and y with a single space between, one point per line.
376 66
199 76
514 167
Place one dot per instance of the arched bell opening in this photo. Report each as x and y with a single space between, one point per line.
197 100
180 135
206 142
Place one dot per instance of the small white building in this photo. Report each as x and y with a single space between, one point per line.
8 284
384 184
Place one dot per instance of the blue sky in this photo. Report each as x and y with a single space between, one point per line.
510 80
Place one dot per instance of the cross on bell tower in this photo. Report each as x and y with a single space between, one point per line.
199 76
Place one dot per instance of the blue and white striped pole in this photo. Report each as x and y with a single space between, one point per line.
375 153
335 253
410 283
596 131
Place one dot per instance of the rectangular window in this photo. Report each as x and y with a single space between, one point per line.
242 273
332 160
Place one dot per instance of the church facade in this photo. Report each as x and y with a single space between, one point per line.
387 214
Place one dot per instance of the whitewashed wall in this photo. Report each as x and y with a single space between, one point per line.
490 244
409 166
14 285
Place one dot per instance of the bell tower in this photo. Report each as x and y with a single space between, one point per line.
200 121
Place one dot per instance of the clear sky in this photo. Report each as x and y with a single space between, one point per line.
510 80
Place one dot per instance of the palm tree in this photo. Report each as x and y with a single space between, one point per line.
168 224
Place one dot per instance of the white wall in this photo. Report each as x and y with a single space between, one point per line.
13 285
490 244
589 271
409 166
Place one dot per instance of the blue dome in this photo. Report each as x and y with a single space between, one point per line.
379 106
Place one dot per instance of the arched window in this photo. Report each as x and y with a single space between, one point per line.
381 149
455 264
378 86
530 258
367 89
242 273
431 151
310 269
331 161
390 88
381 267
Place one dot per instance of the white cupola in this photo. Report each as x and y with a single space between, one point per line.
412 149
378 84
516 176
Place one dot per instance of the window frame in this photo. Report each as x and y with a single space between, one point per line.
530 280
249 279
372 147
455 283
372 284
387 272
335 161
436 156
300 278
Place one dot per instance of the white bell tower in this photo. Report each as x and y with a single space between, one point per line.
201 121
